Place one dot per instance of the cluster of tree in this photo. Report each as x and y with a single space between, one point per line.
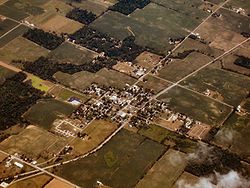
242 61
82 16
213 160
128 6
45 39
46 68
16 97
120 50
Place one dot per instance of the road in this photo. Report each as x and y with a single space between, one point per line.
38 168
44 170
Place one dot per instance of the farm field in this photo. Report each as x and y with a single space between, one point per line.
21 49
234 135
231 31
236 4
170 165
20 30
186 178
63 94
97 131
222 85
34 182
196 106
40 84
12 13
179 68
154 83
46 111
6 25
40 143
125 152
105 77
68 53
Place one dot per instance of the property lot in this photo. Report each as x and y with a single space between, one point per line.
69 53
196 106
63 94
153 83
236 4
21 49
165 171
96 132
179 68
46 111
83 79
219 84
126 152
40 143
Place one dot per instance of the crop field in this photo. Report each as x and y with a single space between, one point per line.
196 106
12 12
227 62
230 31
57 183
96 6
7 25
83 79
179 68
126 152
60 24
38 140
147 60
68 53
26 6
20 30
146 24
5 73
34 182
154 83
223 84
186 178
21 49
154 132
234 135
46 111
165 171
97 131
191 45
63 94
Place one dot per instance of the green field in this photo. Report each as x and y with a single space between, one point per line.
165 171
229 87
68 53
234 135
46 111
21 49
126 152
196 106
179 68
83 79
